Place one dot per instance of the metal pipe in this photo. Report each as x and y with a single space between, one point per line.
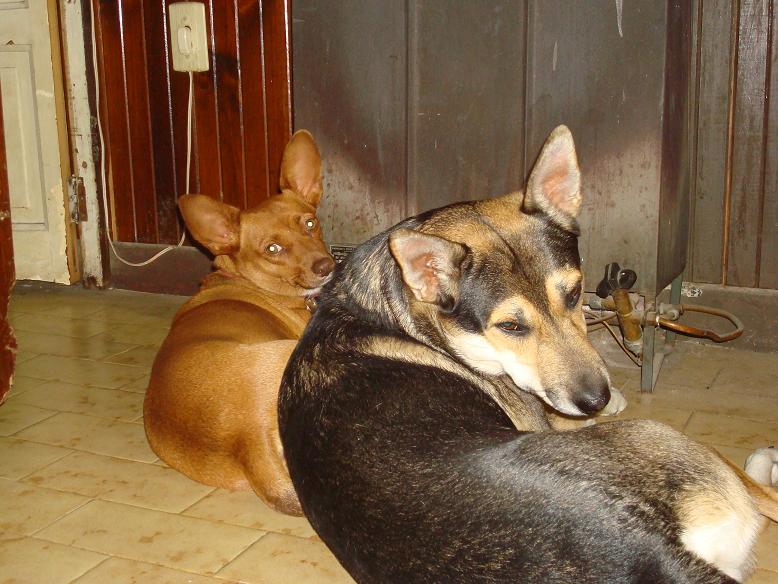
701 332
630 326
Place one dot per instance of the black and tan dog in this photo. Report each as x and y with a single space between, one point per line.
417 458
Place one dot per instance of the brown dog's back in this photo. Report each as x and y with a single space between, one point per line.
209 426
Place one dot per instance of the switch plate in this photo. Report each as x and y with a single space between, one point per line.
188 36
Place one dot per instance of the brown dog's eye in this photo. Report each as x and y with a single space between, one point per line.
512 327
273 249
310 224
573 297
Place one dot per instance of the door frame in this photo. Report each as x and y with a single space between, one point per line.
85 149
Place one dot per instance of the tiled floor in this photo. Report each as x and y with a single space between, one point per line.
83 499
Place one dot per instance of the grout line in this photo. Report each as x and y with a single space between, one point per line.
263 535
715 377
61 517
45 466
90 451
208 494
88 414
686 423
53 413
111 556
98 564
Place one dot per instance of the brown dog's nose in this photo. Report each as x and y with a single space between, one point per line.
323 266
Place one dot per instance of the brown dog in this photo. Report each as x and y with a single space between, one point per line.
210 408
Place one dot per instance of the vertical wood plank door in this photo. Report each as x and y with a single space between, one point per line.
241 113
7 276
735 232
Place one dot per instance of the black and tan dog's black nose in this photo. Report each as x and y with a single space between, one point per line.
323 266
593 393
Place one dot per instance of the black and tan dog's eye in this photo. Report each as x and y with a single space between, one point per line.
573 297
512 327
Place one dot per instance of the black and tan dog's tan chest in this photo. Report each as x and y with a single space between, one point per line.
413 426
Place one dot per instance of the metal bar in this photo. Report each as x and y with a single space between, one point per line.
675 298
647 370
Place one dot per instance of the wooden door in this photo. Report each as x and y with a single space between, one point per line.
7 341
31 84
242 117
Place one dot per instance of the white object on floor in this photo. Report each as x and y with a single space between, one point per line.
762 466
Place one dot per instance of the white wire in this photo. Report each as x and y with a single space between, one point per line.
102 156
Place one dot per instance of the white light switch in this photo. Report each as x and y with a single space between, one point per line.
188 36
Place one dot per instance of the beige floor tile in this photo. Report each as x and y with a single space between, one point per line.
135 334
80 371
625 379
692 369
758 380
35 561
731 431
161 538
716 401
21 384
137 386
91 434
80 328
20 458
67 397
24 509
44 343
763 577
143 356
281 559
121 571
22 356
734 454
246 509
121 481
71 308
767 548
17 416
139 315
43 303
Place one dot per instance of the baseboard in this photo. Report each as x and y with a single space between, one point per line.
179 271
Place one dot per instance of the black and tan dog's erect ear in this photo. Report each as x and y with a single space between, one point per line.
301 168
214 224
554 185
431 266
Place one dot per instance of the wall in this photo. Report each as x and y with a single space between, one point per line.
420 104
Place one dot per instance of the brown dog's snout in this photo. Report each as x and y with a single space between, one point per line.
323 266
593 393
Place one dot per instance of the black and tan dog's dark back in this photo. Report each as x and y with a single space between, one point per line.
415 434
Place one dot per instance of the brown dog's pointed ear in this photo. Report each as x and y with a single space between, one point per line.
214 224
301 168
554 185
431 266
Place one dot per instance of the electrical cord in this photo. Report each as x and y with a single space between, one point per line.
600 320
603 321
102 157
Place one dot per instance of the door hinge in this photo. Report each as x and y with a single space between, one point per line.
77 199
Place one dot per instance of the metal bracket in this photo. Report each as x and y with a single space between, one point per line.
77 199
